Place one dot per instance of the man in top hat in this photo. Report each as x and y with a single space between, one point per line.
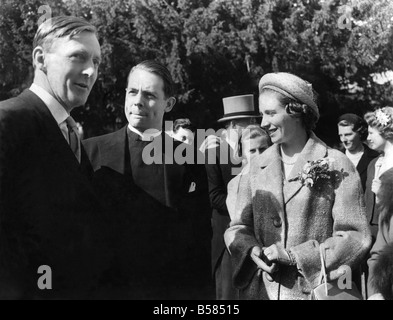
221 167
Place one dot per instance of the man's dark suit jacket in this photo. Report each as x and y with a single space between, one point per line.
49 214
372 213
362 166
219 172
160 229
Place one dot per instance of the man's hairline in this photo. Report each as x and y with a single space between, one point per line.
135 68
68 37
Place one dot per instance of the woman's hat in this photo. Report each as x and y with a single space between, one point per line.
353 119
238 107
291 86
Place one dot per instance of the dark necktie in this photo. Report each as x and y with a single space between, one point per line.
73 138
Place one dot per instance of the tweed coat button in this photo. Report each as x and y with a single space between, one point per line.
277 222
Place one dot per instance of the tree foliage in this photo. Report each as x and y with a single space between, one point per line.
218 48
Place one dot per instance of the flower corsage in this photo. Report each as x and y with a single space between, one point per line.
314 171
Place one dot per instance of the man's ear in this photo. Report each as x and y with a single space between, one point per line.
170 103
39 58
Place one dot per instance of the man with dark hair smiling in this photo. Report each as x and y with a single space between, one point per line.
352 131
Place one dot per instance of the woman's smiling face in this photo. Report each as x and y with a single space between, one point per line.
275 120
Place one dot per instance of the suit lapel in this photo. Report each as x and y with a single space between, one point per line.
115 151
272 172
51 132
364 160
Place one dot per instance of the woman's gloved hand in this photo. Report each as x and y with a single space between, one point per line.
262 262
278 254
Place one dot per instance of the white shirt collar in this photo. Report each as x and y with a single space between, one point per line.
55 108
148 135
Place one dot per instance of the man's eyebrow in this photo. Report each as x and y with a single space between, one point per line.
143 90
149 91
85 53
79 51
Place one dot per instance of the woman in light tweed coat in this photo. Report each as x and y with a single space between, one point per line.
280 218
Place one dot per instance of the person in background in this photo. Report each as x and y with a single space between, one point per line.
253 142
380 135
380 139
221 167
380 280
298 195
352 131
183 131
49 214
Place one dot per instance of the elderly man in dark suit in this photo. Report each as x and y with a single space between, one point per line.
48 211
157 204
222 167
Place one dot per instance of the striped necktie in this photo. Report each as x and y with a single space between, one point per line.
73 137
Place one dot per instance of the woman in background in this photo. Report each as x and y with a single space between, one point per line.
379 193
253 141
380 263
380 138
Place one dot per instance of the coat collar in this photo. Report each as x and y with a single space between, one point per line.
115 154
271 159
56 142
113 151
366 159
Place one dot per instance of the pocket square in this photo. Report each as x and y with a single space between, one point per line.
192 187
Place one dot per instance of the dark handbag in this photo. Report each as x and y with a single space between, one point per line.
331 290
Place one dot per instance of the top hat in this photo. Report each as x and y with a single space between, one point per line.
239 107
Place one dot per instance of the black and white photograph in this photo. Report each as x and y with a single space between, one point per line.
196 153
